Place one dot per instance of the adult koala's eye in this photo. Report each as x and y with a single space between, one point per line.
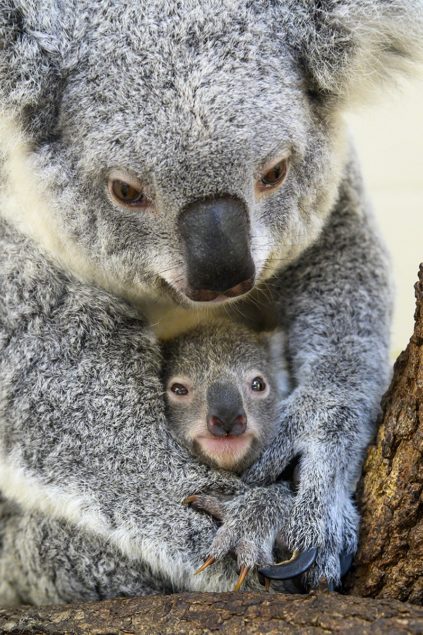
258 384
274 176
179 389
127 193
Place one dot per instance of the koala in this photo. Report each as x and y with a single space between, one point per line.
163 163
223 385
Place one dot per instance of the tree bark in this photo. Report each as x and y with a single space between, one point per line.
389 563
226 613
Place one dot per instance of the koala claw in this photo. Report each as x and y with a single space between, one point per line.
210 560
245 532
299 563
188 500
209 504
244 571
266 582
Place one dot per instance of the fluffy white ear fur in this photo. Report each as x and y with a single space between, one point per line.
36 44
350 47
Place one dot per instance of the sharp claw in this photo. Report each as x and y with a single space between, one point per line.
189 499
294 556
241 578
299 562
262 580
205 564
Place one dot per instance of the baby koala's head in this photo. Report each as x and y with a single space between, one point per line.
223 384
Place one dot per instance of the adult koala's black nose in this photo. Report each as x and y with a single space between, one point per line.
216 238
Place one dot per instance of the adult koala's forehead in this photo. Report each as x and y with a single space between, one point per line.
166 75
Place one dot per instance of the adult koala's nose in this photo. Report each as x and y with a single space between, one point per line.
216 238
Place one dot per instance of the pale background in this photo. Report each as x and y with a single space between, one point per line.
389 140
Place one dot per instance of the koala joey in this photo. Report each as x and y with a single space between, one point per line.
223 385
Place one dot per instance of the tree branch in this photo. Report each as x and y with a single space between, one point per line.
226 613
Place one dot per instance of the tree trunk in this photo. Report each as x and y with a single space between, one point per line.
226 613
389 563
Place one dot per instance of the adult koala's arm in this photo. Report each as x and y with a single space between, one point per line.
336 305
334 299
82 432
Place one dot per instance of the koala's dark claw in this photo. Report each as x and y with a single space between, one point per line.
241 578
300 562
264 581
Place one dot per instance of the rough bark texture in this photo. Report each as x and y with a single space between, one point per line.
226 613
390 559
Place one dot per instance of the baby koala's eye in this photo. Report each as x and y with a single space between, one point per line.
179 389
258 384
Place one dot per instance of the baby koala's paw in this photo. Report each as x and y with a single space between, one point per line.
250 524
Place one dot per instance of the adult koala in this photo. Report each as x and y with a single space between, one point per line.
156 157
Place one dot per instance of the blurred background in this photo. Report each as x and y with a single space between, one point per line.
389 141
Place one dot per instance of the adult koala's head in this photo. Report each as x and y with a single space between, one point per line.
185 148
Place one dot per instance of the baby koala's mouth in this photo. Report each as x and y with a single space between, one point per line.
227 452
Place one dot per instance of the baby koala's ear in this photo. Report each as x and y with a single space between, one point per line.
35 39
348 48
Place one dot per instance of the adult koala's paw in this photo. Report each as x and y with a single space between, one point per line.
327 439
335 540
250 524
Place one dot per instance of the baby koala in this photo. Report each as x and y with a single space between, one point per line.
223 384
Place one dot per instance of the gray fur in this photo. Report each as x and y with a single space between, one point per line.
192 98
48 562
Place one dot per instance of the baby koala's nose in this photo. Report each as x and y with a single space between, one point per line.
221 426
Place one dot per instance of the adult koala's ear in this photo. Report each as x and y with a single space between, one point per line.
35 41
349 47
